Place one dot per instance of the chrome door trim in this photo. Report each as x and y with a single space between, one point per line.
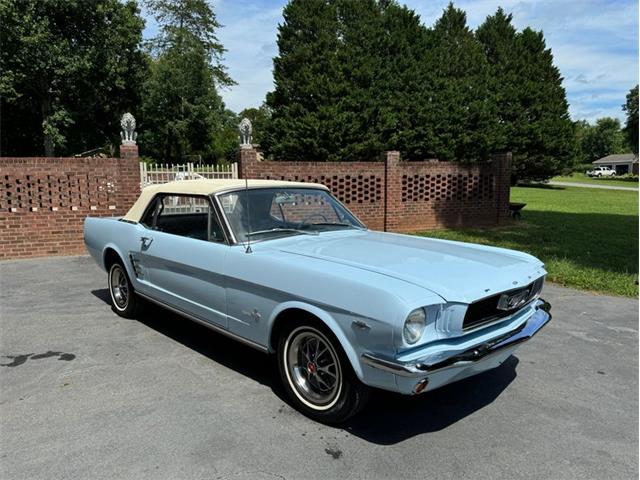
204 323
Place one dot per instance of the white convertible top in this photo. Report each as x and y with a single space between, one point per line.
205 187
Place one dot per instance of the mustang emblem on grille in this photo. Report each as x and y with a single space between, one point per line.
514 300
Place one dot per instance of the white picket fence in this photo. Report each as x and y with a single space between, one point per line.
151 174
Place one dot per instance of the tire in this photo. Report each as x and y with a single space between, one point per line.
317 375
124 300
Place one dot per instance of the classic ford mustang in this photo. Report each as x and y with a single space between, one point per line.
286 268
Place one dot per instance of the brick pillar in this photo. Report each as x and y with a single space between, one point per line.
392 191
129 151
248 161
502 172
128 174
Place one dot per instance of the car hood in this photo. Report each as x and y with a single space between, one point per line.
456 271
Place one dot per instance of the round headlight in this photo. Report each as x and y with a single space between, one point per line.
414 326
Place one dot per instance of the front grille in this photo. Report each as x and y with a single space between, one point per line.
486 310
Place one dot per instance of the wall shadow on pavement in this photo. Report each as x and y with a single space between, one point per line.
389 418
392 418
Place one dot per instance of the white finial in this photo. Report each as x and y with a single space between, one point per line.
245 133
128 133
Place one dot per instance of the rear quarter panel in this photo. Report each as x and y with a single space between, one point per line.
103 233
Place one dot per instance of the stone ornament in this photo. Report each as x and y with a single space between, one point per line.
245 129
128 133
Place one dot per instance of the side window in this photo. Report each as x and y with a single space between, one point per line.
149 216
186 215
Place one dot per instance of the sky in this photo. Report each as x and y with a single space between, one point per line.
594 43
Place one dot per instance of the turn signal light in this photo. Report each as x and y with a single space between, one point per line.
420 386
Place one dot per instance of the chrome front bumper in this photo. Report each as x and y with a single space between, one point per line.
524 332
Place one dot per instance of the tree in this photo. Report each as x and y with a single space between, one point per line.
224 145
67 73
605 138
631 126
308 84
465 126
356 77
531 102
382 47
582 133
182 111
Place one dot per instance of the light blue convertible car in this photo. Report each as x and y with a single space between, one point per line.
286 268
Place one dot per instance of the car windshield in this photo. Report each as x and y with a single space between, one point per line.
273 212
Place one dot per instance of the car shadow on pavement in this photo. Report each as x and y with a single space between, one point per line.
389 418
392 418
219 348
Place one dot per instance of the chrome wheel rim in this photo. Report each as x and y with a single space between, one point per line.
119 287
313 368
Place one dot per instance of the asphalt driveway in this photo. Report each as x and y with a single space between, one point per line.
85 394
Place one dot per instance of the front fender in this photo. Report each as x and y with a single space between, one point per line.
328 320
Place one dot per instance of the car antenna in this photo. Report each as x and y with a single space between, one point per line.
246 189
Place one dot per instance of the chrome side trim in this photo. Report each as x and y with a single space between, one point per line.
524 332
204 323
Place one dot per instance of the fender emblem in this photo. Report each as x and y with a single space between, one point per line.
360 324
254 314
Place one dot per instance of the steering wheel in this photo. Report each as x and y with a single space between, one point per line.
309 217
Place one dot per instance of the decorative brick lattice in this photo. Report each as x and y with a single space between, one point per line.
347 188
441 187
44 201
399 196
56 191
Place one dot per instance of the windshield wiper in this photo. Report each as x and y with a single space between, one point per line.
338 224
281 229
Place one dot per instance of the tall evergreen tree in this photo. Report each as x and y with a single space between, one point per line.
631 125
382 46
182 111
531 102
344 78
305 124
465 127
68 71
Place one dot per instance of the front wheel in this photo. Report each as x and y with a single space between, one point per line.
123 299
317 376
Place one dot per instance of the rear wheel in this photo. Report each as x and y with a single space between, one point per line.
123 298
317 376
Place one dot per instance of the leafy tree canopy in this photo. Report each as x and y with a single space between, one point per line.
605 138
67 73
182 112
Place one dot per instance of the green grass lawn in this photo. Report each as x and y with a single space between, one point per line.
582 178
588 238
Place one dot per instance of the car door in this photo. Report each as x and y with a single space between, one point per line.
182 256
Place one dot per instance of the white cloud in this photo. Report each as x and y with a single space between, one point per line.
249 35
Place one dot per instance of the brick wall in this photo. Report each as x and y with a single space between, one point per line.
43 201
402 196
359 185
